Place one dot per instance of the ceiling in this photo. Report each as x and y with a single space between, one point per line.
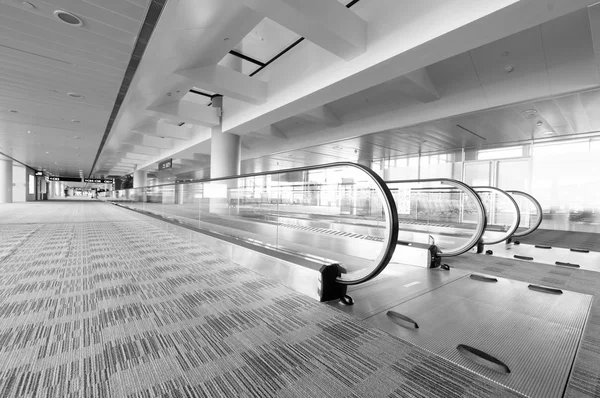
42 60
367 82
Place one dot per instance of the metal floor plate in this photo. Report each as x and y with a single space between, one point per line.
534 333
571 259
396 284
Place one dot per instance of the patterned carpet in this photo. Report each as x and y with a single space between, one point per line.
565 239
95 302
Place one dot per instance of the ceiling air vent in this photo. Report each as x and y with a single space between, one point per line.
68 18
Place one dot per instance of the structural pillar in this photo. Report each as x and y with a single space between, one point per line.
225 149
225 154
139 178
6 181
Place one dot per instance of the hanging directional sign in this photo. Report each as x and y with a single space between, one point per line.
66 179
99 180
165 164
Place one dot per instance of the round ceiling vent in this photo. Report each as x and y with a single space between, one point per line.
68 18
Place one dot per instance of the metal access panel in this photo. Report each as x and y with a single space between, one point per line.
396 284
522 336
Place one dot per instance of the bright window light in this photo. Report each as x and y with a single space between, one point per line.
500 153
560 148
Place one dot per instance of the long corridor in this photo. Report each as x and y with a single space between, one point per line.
98 302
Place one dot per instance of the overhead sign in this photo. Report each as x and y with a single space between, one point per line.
165 164
66 179
98 180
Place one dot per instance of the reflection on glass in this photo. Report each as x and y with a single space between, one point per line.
334 212
502 213
443 212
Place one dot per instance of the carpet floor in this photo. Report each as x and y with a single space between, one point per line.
564 239
95 302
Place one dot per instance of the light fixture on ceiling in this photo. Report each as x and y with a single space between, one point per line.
529 112
547 133
509 68
75 95
27 4
13 111
28 132
539 123
505 54
75 121
47 153
68 18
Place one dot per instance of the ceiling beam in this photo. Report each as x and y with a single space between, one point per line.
173 132
321 115
418 85
185 111
326 23
228 82
149 141
269 132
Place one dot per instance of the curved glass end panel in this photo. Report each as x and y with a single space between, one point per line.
444 212
531 213
336 213
503 215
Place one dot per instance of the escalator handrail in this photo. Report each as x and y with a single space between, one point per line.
510 232
389 204
538 207
481 219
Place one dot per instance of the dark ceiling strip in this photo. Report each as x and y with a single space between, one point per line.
154 10
201 93
18 161
247 58
469 131
294 44
269 62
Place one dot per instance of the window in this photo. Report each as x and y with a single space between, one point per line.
560 148
500 153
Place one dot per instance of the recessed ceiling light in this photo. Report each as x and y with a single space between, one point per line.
75 95
529 112
68 18
75 121
509 68
14 111
539 123
47 153
28 132
548 133
28 5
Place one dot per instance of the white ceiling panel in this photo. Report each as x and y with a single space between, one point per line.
43 59
569 52
525 53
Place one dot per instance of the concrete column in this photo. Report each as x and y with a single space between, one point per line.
225 150
139 178
225 154
6 181
364 162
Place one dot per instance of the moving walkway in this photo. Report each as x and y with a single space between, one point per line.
341 235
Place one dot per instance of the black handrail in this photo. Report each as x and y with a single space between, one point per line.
515 225
538 207
482 219
384 257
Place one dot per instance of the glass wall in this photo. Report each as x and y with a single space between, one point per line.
562 175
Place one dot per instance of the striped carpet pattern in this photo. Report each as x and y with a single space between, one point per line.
97 303
566 239
585 375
